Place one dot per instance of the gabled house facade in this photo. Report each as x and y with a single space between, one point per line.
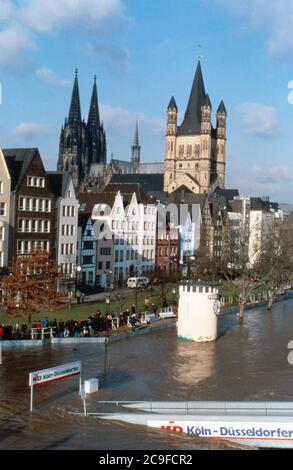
65 225
31 203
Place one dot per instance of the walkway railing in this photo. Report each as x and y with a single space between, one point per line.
42 333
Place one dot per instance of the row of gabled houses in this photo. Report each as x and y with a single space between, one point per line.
130 228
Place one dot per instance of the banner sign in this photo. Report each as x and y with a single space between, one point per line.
56 373
231 430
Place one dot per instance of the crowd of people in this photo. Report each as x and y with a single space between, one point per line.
96 323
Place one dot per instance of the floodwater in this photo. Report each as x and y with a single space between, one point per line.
247 362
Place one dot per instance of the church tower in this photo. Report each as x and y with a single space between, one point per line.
81 144
135 150
95 134
195 151
72 140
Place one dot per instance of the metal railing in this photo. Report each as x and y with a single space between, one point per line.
42 333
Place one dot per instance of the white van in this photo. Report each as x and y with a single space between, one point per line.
137 282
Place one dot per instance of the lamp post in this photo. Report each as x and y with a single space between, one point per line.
119 300
107 303
107 335
136 271
72 281
174 293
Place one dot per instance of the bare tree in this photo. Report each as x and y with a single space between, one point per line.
242 250
31 283
277 258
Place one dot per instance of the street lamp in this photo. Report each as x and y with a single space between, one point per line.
107 303
174 293
73 277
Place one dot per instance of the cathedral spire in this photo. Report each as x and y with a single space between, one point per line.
135 149
74 111
94 116
136 139
192 119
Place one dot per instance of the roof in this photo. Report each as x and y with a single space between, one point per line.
227 194
263 204
129 188
207 101
192 118
88 200
152 183
18 161
94 116
222 108
172 104
136 138
236 205
74 116
185 196
58 181
193 282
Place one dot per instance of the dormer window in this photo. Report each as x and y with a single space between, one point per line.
36 182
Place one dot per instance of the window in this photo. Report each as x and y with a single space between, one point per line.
47 205
1 187
116 256
88 245
21 203
46 226
87 260
3 208
2 233
121 256
100 265
105 251
108 265
36 182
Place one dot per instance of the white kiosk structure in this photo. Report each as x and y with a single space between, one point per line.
198 308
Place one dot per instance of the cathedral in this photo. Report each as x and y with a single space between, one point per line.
82 144
82 149
195 150
194 157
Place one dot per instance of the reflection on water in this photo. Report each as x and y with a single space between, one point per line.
194 364
247 362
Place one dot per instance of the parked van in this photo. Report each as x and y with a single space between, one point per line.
137 282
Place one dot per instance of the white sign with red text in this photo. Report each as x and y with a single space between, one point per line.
56 373
231 430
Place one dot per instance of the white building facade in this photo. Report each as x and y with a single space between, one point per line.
5 188
133 230
66 210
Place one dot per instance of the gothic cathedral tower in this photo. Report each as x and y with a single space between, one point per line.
81 144
195 151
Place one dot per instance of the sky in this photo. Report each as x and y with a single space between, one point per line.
143 52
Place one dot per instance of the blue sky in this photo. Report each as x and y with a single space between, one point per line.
143 51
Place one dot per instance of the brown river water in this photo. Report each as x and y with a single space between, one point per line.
247 362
